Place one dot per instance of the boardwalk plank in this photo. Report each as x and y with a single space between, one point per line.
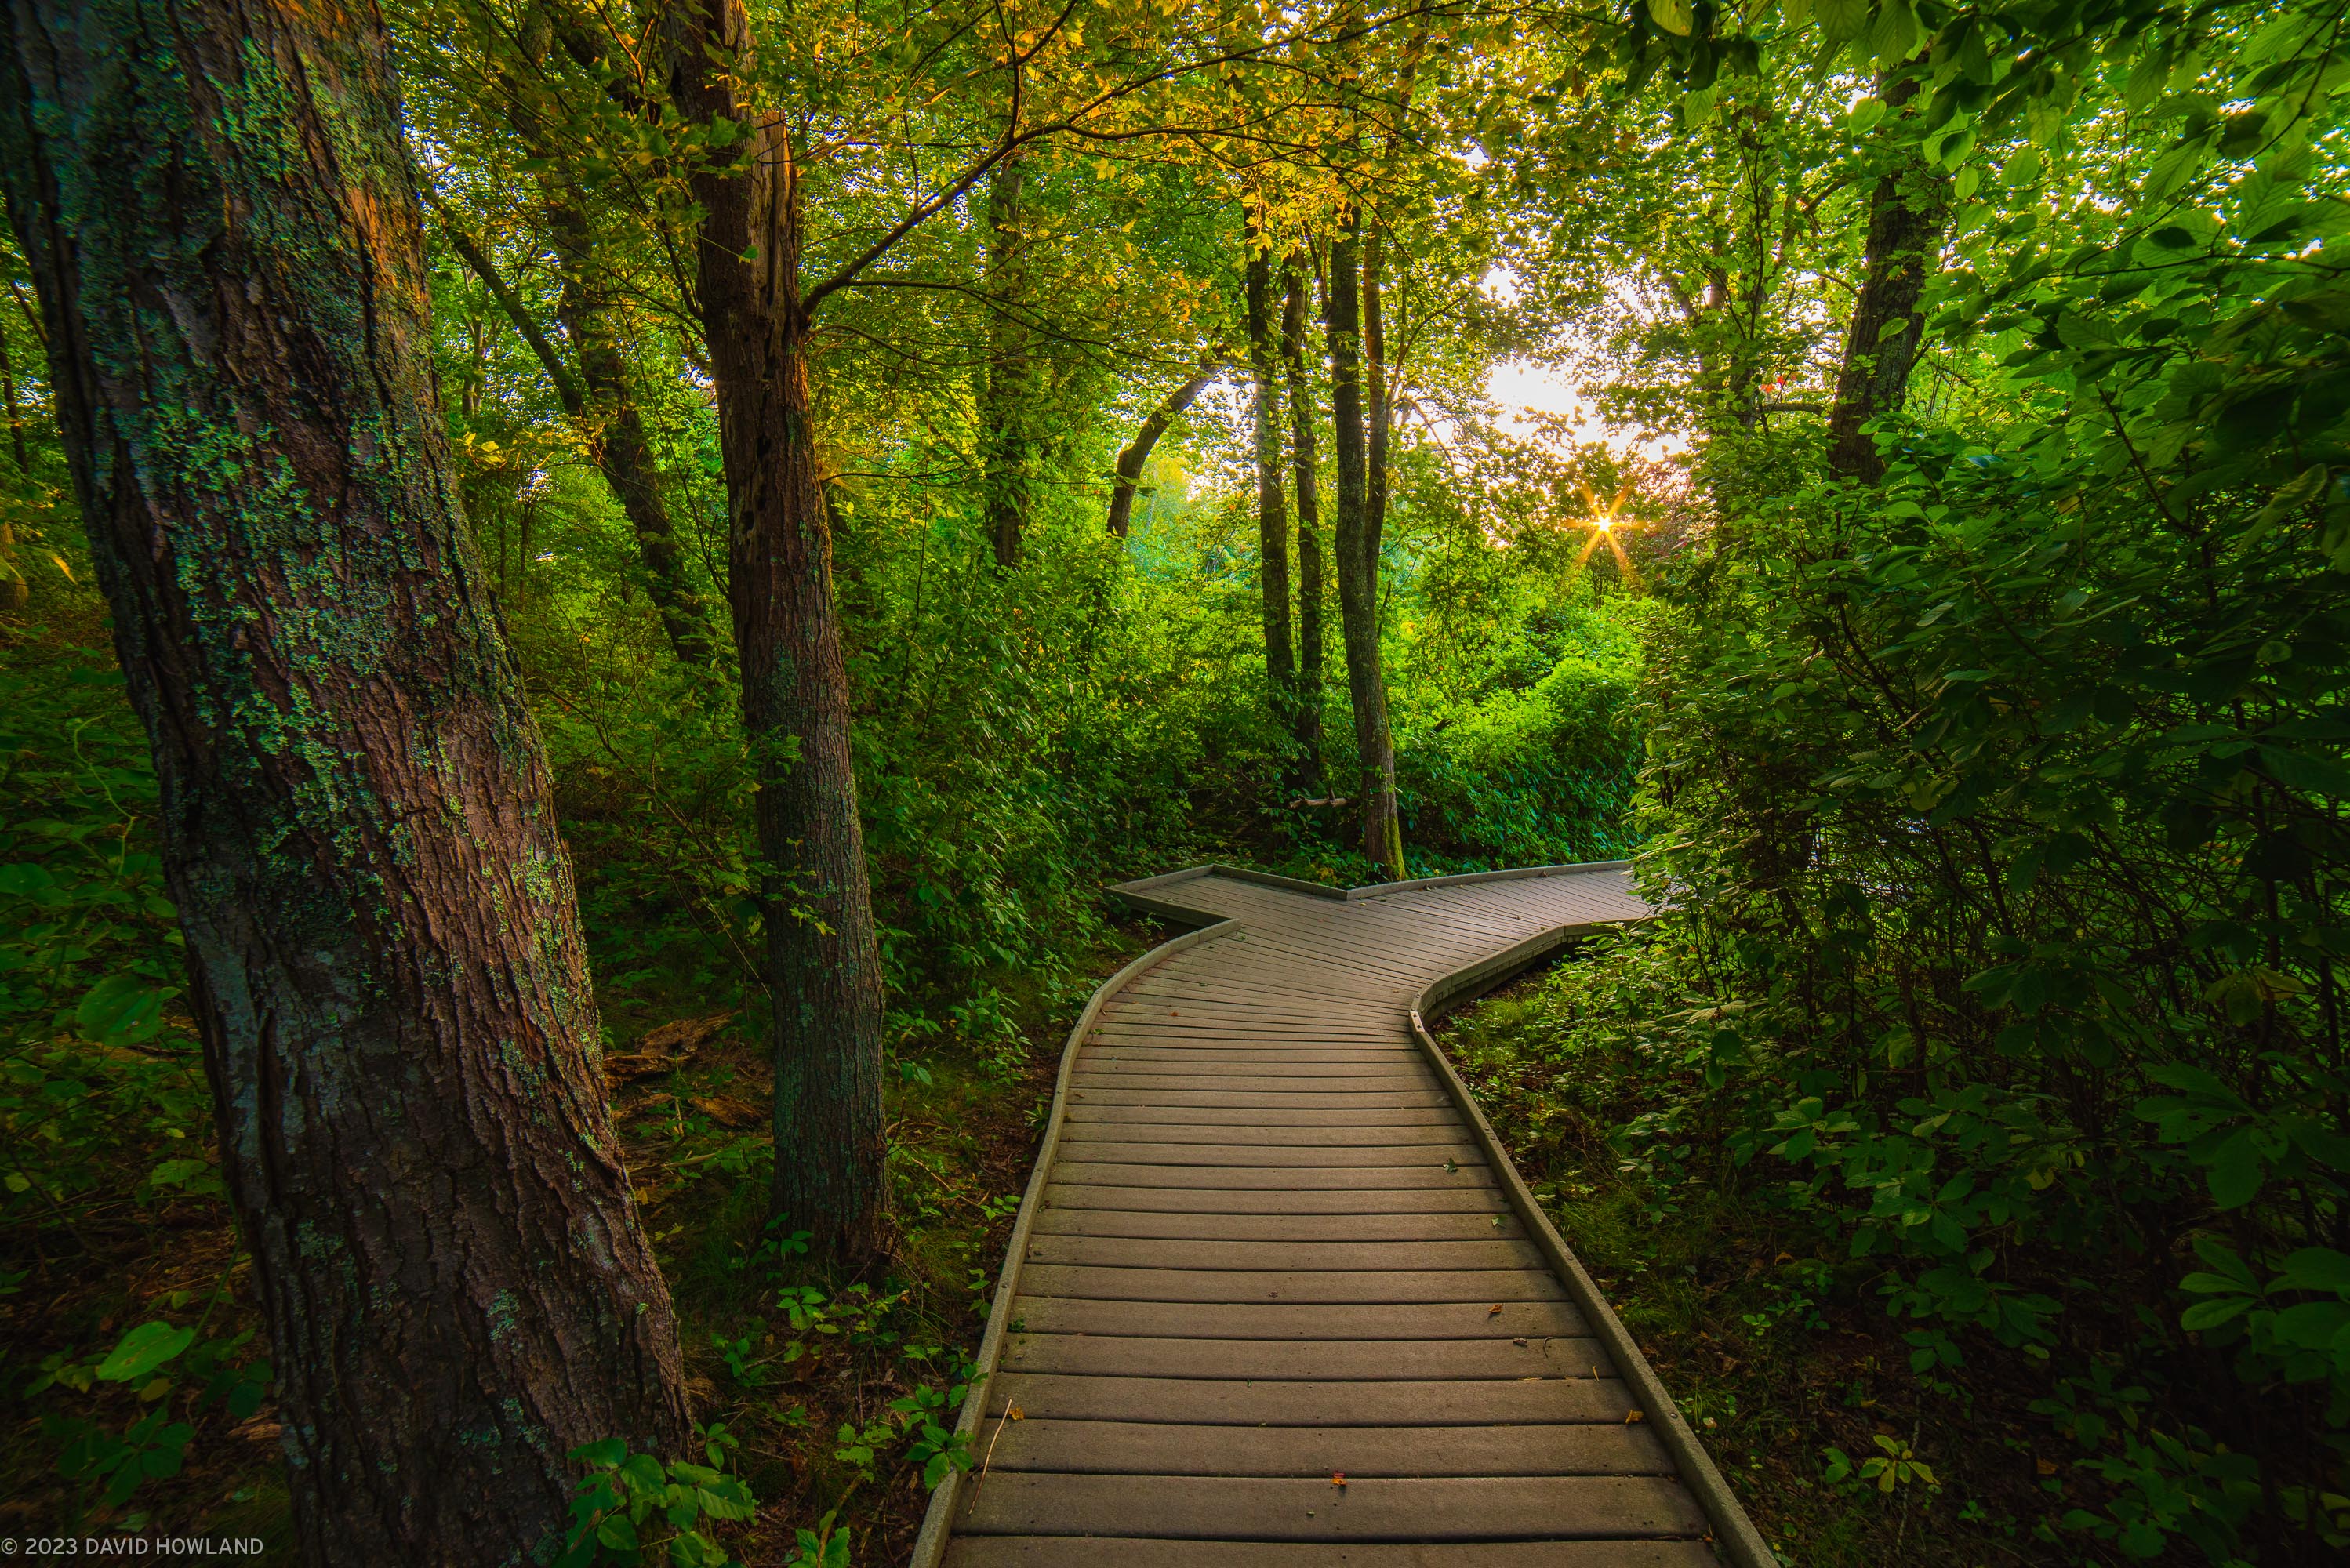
1258 1319
1476 1287
1531 1401
1108 1552
1143 1448
1303 1361
1283 1509
1194 1226
1450 1199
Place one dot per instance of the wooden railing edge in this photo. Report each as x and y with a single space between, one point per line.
1733 1533
937 1522
1141 894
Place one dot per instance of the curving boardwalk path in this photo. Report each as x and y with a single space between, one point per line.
1269 1243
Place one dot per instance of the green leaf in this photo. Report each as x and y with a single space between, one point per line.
1895 36
1841 20
142 1350
121 1010
2237 1172
26 880
2316 1268
1675 16
2212 1314
602 1454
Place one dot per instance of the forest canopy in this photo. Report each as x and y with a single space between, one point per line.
589 594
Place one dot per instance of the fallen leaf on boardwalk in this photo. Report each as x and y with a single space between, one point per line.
1338 1478
1494 1311
1519 1342
1632 1416
1014 1413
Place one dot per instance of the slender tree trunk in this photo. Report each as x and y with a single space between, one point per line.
382 944
1311 595
1908 212
1378 407
1271 508
1357 553
14 591
615 428
1137 451
823 969
598 402
1006 406
16 415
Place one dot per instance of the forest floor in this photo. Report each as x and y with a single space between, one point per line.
823 1381
1792 1382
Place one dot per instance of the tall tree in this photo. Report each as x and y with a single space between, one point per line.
615 425
823 968
1357 556
382 939
1908 212
1007 391
1306 713
1272 507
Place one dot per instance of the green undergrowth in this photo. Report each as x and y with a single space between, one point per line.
1772 1338
135 1386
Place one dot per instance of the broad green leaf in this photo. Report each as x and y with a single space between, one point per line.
142 1350
1841 20
2212 1314
121 1010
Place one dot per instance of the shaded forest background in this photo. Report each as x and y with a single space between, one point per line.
1969 1139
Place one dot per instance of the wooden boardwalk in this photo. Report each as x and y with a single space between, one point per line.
1270 1244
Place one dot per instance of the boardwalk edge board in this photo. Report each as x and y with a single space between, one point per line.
930 1545
1137 895
1734 1534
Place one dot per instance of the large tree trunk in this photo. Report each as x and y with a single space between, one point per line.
384 948
1007 442
1311 595
1908 212
823 969
1137 451
1271 508
615 429
1358 561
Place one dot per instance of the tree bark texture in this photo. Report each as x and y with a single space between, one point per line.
615 429
823 969
1311 593
1908 212
1272 502
1358 558
1378 407
1137 451
1007 411
384 948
